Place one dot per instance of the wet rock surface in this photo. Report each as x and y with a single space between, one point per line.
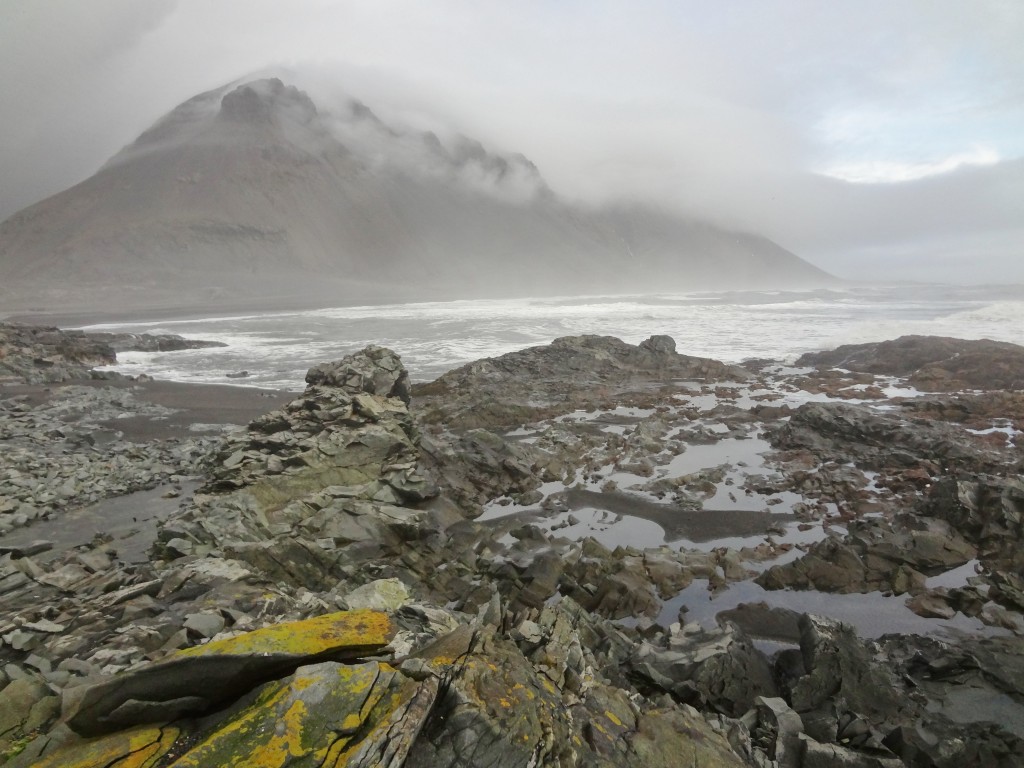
34 354
932 363
581 554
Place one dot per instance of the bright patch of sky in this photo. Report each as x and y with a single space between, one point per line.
888 171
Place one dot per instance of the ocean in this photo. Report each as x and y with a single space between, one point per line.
276 348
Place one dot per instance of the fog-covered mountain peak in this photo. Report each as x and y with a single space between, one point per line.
266 101
256 189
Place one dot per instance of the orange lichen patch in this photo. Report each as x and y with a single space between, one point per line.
137 748
299 720
394 720
310 637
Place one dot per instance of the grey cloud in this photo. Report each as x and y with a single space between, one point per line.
717 109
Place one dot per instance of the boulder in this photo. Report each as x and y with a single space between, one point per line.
374 370
840 667
26 705
198 678
380 595
325 714
716 669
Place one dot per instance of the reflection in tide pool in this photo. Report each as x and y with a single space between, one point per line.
872 614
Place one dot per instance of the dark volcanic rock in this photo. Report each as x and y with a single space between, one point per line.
839 665
147 342
717 669
36 355
571 372
375 371
874 439
46 355
934 363
875 555
989 511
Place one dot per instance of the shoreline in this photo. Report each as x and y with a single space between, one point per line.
83 317
193 403
358 498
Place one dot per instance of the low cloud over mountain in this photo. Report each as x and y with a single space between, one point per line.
252 193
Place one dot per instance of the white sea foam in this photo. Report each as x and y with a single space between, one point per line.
432 337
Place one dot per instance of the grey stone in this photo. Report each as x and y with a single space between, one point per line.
178 547
204 624
26 550
776 715
816 755
380 595
45 626
20 640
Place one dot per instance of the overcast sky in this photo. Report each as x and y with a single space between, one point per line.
876 138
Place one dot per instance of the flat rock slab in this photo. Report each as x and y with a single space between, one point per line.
198 678
135 748
324 715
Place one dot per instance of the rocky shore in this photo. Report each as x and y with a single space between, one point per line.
583 554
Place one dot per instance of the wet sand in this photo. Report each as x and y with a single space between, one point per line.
195 404
130 520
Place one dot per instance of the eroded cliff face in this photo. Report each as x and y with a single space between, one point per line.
368 578
250 193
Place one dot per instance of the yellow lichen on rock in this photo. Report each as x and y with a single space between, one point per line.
136 748
310 637
294 722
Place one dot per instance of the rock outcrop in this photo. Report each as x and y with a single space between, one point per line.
574 372
932 363
333 596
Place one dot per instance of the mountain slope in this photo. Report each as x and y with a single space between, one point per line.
247 194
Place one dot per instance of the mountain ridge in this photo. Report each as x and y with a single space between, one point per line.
249 193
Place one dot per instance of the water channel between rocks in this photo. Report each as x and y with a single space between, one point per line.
731 516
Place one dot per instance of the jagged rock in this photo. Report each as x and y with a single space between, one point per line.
708 668
380 595
875 555
540 382
498 712
785 727
31 354
26 705
197 678
838 665
817 755
330 713
988 510
875 439
479 465
933 362
135 747
345 486
374 370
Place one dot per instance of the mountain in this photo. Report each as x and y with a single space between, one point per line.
249 195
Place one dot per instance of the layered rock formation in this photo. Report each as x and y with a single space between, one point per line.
368 578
